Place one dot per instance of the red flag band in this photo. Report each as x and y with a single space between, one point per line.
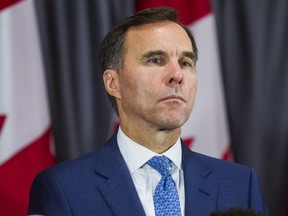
25 135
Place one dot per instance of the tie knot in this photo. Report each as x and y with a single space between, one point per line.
160 163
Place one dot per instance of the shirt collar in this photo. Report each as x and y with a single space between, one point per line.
136 155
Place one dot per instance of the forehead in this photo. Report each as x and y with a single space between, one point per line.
166 36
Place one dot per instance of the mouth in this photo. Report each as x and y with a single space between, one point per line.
174 98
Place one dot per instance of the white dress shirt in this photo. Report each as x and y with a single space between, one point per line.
145 178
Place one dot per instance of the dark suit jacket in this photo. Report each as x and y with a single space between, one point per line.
100 184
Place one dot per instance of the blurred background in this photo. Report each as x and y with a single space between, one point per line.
53 106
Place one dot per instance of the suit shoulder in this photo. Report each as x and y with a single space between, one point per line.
78 166
220 162
86 165
224 168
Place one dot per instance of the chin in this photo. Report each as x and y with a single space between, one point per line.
170 120
172 125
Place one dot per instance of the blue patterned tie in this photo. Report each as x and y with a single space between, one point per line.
166 199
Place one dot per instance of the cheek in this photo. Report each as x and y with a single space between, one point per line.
150 88
192 88
127 89
131 87
194 81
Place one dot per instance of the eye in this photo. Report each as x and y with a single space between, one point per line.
155 60
185 63
159 61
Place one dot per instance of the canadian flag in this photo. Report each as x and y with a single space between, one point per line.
25 135
206 130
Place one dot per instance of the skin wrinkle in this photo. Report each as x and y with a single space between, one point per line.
156 86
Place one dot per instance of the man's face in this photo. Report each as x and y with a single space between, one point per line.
157 84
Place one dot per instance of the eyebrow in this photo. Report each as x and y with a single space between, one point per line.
152 53
190 55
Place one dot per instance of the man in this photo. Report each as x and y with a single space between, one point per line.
148 63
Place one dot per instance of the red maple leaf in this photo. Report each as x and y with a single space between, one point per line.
115 127
188 141
2 120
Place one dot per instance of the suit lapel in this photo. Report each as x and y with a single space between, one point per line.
120 193
200 194
117 189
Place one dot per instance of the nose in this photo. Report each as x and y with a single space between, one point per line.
174 74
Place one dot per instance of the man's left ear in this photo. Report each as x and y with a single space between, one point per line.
110 78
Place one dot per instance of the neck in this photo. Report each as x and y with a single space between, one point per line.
156 140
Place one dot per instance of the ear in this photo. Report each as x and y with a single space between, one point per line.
111 82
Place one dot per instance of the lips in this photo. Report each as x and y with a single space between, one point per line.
174 97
